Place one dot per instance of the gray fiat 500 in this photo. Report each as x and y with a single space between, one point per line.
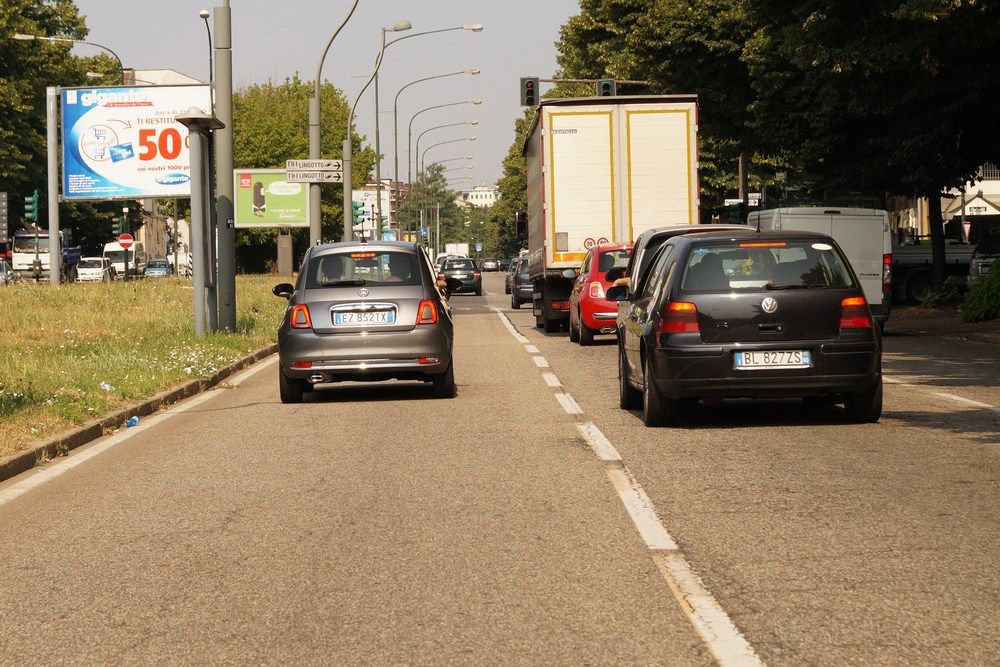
364 312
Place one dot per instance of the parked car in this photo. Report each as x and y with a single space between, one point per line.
745 314
364 312
466 272
505 264
520 286
95 270
491 264
590 312
7 275
158 267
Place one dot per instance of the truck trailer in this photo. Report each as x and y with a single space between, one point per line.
603 170
30 256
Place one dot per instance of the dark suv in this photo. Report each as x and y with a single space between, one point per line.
747 315
465 271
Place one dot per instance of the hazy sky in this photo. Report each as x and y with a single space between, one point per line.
272 40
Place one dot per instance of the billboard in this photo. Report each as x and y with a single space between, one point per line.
123 142
265 199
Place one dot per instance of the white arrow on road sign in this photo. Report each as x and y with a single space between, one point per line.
314 177
314 165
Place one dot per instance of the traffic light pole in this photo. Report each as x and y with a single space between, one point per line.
52 170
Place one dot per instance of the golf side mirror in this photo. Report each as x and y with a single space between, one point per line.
569 274
617 293
283 290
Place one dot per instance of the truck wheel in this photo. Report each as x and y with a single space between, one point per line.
919 288
865 408
657 409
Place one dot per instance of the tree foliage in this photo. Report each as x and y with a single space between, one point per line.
432 195
512 195
271 125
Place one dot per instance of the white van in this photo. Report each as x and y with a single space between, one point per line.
863 235
136 258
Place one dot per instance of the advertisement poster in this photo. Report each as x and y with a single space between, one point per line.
123 142
265 199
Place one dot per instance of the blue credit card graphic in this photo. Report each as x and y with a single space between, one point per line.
121 152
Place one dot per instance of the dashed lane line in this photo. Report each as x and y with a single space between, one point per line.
942 394
710 620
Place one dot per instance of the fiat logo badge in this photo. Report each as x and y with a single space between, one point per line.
363 292
769 305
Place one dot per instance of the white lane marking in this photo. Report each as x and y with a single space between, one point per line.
510 327
568 404
551 380
531 349
967 401
36 479
598 442
640 508
247 373
704 612
942 394
711 621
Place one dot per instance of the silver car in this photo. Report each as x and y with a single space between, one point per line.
364 312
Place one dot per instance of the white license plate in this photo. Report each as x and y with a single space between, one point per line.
772 359
363 318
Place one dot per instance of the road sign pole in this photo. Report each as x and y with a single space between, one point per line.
222 139
348 211
52 171
315 227
197 250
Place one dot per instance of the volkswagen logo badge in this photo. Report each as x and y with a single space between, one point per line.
363 293
769 305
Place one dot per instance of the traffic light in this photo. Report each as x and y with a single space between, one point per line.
529 91
607 88
359 211
117 226
31 207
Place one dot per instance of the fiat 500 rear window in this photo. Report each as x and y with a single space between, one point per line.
363 267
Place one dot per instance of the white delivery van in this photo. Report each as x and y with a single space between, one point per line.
863 235
136 256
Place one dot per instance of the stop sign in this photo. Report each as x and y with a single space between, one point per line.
126 241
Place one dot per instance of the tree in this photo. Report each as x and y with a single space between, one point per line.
888 94
271 125
432 195
512 193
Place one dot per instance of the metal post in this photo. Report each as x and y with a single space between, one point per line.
437 219
177 269
315 229
420 232
348 187
211 242
222 146
197 249
52 194
378 155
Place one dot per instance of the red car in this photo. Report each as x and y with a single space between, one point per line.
589 312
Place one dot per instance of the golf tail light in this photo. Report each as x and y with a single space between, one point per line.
300 318
679 317
477 275
427 312
596 290
887 274
854 313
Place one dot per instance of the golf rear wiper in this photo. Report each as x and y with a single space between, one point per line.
772 286
344 283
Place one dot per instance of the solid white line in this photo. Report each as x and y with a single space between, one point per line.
598 442
640 509
568 404
540 362
510 327
247 373
718 631
531 348
551 380
64 465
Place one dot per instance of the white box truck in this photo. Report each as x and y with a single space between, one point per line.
862 233
603 170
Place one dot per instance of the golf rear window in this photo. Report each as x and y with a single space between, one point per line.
459 264
764 264
373 267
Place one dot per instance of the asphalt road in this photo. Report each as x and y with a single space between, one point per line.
373 524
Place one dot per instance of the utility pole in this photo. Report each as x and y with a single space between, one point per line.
223 143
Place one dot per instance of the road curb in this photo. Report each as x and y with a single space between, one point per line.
61 444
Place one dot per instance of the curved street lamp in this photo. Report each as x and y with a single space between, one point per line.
21 37
438 127
440 143
314 134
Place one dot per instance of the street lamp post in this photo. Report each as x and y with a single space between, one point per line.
416 148
204 14
399 26
314 136
420 172
28 38
395 114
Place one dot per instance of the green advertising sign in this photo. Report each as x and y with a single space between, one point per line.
265 199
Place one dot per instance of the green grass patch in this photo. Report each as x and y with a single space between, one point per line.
75 352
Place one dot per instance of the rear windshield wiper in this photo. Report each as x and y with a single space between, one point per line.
344 283
772 286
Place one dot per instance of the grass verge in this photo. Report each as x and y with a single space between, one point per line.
72 353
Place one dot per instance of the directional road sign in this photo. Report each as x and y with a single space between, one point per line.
315 177
314 165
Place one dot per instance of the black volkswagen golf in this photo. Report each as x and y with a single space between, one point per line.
745 314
